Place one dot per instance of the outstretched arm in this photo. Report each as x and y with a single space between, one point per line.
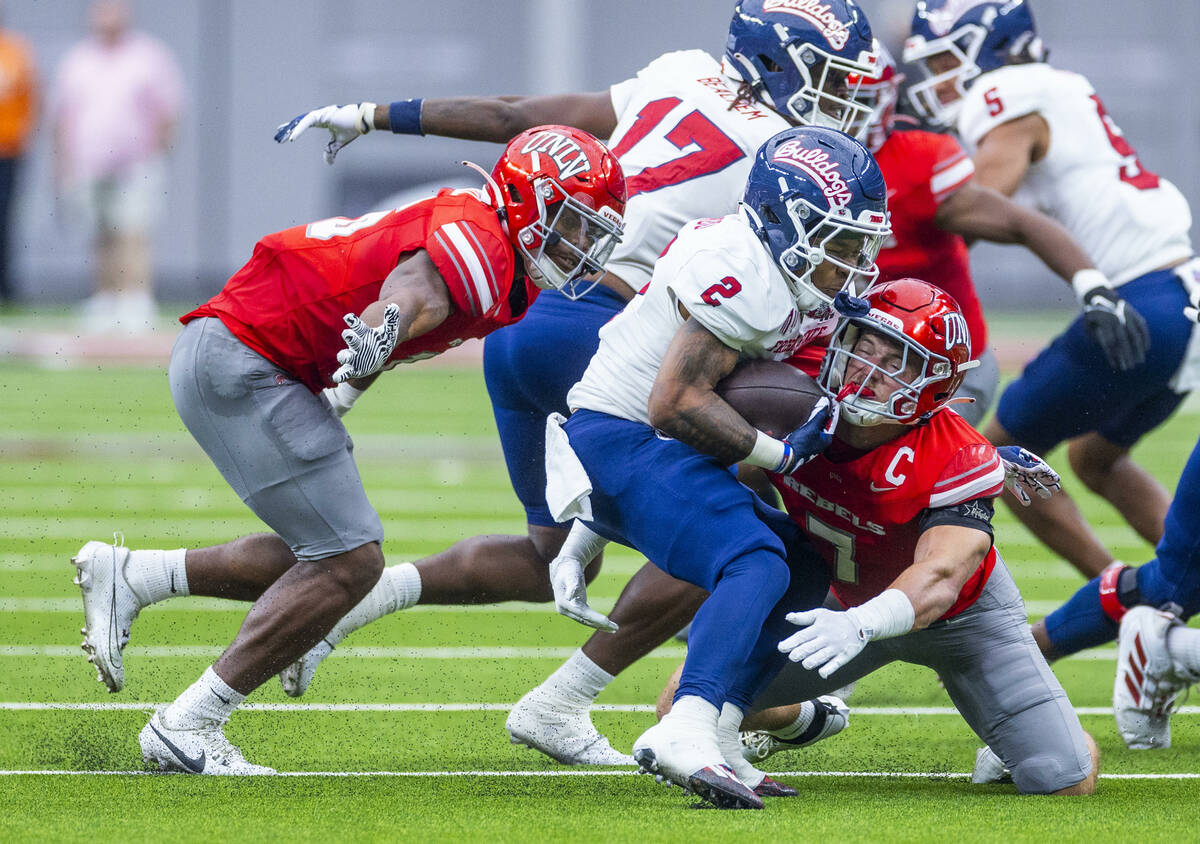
497 119
981 213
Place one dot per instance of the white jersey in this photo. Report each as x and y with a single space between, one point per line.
685 154
726 279
1128 219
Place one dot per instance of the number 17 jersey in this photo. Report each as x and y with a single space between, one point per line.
686 154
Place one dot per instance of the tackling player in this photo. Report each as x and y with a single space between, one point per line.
685 129
646 453
1122 367
900 509
256 378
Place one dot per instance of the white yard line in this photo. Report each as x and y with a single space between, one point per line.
579 773
102 706
207 651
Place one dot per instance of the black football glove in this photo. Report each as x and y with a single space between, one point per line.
1119 329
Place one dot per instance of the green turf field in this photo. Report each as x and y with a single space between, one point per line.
91 450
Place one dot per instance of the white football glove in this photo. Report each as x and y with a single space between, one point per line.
570 594
1025 472
367 349
828 641
345 123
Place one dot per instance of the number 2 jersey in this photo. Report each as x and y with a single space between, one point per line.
863 510
288 302
722 274
1128 219
686 154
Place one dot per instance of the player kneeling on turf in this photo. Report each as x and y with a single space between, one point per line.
900 508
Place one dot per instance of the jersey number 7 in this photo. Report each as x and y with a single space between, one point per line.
717 151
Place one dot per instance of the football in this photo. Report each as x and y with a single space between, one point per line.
771 395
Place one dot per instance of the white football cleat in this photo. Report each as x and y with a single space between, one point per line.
693 762
109 608
831 715
988 768
1146 686
200 751
296 677
562 731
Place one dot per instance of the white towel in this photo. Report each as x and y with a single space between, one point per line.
568 487
1187 377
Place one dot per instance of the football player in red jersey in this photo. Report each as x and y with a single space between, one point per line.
899 510
261 371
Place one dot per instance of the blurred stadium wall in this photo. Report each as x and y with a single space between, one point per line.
251 64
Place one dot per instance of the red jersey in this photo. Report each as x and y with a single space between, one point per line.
287 303
861 509
922 169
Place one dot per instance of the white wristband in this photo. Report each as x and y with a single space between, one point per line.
1085 281
342 397
366 117
886 615
582 543
768 452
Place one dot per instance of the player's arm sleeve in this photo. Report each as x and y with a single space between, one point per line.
976 513
727 297
951 169
472 263
974 471
1002 98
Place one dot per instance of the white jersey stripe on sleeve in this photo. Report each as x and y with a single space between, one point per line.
990 484
459 267
477 276
493 283
952 177
983 467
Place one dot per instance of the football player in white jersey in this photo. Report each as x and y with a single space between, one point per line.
685 129
1043 136
646 454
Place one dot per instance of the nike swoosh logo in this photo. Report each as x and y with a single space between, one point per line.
172 583
196 765
882 488
218 696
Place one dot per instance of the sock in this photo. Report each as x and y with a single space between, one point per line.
578 680
729 740
695 713
156 575
797 728
1081 622
207 700
399 587
1183 644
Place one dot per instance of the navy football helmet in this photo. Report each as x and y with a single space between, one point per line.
803 57
817 200
954 41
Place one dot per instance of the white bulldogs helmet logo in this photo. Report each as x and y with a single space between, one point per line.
818 14
942 19
817 164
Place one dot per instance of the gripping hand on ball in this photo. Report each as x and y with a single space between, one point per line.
367 349
811 438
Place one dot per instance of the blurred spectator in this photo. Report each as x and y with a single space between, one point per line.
18 104
116 99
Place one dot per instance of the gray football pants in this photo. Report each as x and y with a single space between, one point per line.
995 676
281 448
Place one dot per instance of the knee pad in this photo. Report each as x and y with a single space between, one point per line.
1046 774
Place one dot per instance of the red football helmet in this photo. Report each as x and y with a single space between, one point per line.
880 94
563 194
913 341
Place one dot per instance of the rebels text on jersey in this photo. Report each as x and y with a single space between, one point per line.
720 273
686 151
288 301
922 169
1129 219
862 509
